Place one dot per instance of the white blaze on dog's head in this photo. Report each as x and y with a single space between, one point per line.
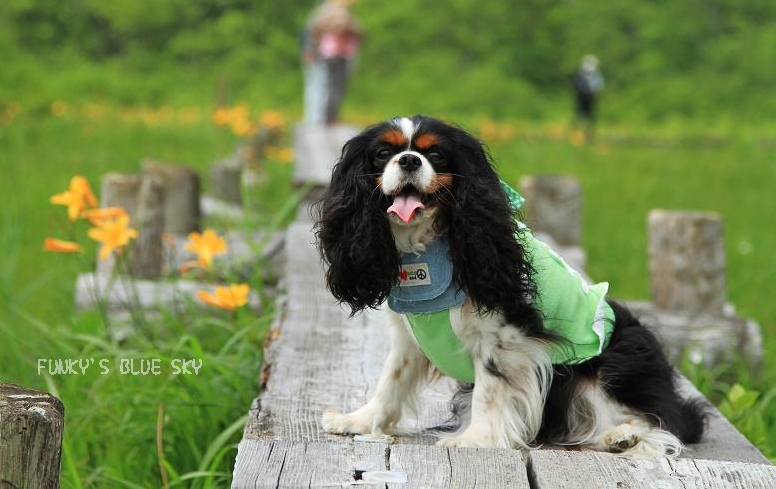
406 126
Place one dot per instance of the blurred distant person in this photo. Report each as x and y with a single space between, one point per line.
314 78
588 83
332 40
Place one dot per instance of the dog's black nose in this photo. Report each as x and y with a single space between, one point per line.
409 162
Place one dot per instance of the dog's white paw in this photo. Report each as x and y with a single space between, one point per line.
622 437
636 439
365 421
341 423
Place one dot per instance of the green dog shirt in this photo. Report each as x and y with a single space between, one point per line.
572 308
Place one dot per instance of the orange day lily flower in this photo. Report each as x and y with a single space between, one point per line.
206 245
272 119
226 298
113 234
77 197
96 216
60 246
222 116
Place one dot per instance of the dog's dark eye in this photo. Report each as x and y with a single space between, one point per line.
383 154
435 157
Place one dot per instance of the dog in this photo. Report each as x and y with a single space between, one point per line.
416 217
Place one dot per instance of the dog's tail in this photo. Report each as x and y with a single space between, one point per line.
694 415
684 417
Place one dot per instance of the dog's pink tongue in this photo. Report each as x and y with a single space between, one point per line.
405 206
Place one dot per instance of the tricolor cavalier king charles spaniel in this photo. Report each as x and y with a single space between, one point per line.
416 216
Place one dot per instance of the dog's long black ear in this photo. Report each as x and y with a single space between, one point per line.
353 234
489 263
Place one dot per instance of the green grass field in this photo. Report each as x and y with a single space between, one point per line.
127 430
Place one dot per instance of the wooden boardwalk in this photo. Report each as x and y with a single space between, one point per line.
323 359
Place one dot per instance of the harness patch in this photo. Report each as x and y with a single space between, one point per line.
414 274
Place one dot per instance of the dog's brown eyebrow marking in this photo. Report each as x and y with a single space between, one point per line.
394 137
425 141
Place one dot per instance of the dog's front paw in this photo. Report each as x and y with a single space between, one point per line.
365 421
342 424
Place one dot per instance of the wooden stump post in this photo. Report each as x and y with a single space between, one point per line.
687 261
689 309
553 205
31 425
226 179
147 251
182 189
143 197
119 190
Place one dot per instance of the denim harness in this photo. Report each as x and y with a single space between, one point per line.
426 293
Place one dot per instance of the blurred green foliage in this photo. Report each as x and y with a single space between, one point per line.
662 60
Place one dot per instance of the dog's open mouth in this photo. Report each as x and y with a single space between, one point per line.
407 202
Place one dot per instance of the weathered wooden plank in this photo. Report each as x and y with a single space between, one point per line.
550 469
283 464
263 463
731 474
31 426
323 464
316 149
432 466
429 465
482 469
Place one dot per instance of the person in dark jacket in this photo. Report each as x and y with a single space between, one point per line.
588 84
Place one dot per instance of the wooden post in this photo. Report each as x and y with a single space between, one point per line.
553 205
31 425
226 179
147 251
182 189
143 197
689 309
119 190
687 261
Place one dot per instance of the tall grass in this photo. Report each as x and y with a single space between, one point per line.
125 429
